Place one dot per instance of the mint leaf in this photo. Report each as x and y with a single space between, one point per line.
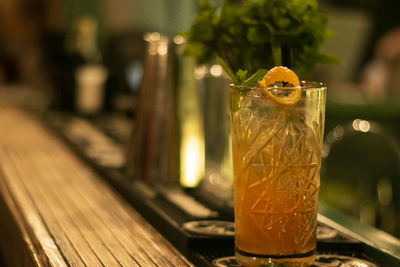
249 35
253 79
241 76
227 70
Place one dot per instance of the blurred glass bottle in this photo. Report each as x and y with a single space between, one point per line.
90 74
167 143
190 116
151 150
214 87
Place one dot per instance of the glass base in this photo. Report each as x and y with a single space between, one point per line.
257 260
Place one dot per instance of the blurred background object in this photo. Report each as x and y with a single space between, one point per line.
364 37
361 173
153 147
21 27
36 36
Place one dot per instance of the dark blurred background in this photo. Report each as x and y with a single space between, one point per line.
34 38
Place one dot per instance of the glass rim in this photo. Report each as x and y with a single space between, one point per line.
304 85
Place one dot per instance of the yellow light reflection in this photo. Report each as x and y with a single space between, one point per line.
364 126
200 72
192 160
163 46
361 125
179 39
216 70
190 113
356 124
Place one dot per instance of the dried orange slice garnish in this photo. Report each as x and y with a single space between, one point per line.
281 85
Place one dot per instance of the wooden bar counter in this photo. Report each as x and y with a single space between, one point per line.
55 211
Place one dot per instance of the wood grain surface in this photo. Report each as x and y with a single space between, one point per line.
55 211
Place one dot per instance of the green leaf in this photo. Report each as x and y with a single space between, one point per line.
258 35
227 69
203 32
283 22
241 76
253 79
248 34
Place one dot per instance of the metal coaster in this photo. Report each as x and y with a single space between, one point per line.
340 261
226 262
213 228
320 261
324 232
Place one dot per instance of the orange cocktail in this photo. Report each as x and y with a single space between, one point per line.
276 160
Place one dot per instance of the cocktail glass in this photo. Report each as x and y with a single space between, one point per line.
276 163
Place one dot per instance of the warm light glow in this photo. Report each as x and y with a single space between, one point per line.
192 148
152 36
361 125
152 49
338 132
216 70
335 134
163 46
179 39
146 36
325 151
155 36
200 72
192 164
356 124
364 126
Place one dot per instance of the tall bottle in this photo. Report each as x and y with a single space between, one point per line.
87 95
167 145
151 152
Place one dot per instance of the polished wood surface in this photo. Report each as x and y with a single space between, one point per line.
55 211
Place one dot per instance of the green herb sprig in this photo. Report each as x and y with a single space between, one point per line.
253 35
